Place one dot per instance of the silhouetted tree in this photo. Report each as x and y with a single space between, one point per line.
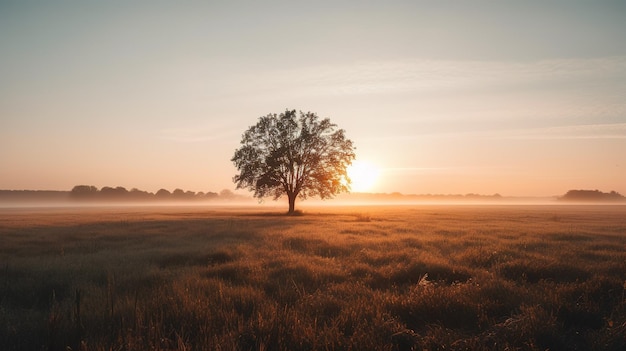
84 192
294 155
226 194
107 191
592 195
211 195
137 194
178 193
117 192
163 194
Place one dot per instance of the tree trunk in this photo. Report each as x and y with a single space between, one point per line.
292 203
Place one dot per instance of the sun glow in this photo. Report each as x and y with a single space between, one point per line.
363 176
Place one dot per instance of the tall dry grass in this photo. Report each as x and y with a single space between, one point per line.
389 278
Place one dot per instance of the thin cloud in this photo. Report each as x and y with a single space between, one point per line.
588 131
414 169
385 77
442 170
195 135
583 131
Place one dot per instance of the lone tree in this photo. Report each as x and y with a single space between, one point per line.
297 155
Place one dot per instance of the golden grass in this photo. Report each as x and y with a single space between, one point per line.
335 278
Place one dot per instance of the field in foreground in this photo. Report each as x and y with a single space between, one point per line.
361 278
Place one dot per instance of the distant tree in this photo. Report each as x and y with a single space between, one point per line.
226 194
84 192
117 192
178 193
107 191
163 194
592 195
211 195
291 154
137 194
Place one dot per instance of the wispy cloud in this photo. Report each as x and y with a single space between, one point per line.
453 169
433 75
197 134
580 131
412 170
588 131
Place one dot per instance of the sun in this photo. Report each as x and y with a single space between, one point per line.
363 175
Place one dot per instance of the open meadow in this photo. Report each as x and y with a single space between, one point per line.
423 277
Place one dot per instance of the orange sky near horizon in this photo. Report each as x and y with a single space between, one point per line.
521 99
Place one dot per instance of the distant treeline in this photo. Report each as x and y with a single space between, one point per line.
592 196
92 193
10 196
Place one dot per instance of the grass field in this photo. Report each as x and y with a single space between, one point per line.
335 278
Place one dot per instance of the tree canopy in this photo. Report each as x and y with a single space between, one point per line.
294 154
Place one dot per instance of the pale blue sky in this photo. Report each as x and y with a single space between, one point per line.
515 97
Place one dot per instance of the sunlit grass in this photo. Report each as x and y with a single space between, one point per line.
389 278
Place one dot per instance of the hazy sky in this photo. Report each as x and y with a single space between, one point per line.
514 97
